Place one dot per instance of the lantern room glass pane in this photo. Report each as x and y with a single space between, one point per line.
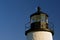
46 19
35 18
43 19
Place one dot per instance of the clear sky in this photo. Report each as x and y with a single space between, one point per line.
14 14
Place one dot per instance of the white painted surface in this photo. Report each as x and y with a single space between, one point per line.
39 35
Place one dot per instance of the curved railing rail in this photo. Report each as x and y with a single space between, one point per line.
27 26
50 26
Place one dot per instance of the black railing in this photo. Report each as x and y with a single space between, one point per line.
50 26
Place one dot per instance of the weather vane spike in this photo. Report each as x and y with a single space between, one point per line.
38 9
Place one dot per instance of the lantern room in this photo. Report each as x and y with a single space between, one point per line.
39 19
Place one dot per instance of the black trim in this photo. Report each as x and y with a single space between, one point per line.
38 13
34 30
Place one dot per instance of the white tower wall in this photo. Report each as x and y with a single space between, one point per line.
39 35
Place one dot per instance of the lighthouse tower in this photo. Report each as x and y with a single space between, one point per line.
39 27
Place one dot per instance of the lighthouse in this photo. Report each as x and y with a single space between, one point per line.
39 27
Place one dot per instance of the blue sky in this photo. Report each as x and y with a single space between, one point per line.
14 14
